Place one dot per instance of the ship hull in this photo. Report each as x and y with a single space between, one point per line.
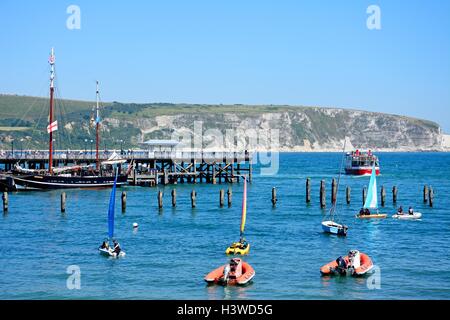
361 171
44 182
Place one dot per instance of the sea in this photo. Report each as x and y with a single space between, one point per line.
46 254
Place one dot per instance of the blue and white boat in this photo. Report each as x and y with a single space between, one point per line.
330 222
371 202
106 249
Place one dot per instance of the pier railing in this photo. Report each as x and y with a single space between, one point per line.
87 155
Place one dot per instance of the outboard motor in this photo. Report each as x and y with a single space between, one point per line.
226 272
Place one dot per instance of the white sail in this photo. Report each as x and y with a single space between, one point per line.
372 196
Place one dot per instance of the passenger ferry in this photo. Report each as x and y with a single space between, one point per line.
360 163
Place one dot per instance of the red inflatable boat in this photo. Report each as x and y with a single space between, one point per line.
237 272
355 263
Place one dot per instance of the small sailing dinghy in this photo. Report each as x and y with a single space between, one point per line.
236 272
354 264
106 249
242 246
371 202
331 225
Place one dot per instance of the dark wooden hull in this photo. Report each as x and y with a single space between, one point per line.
48 182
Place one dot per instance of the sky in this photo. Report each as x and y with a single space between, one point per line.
315 53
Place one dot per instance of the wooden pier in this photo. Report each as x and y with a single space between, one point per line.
150 168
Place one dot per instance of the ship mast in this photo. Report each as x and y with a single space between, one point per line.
50 130
97 127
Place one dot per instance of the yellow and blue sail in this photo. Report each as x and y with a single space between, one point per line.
244 207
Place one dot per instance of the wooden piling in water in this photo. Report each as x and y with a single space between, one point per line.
364 195
174 198
193 198
124 201
333 191
431 196
308 190
348 191
160 199
274 196
221 197
425 194
383 196
5 201
394 194
63 202
230 196
322 194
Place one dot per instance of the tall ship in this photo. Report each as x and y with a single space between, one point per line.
360 163
98 175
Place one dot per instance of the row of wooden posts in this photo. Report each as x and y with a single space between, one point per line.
428 196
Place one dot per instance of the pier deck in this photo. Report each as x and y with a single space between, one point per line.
150 167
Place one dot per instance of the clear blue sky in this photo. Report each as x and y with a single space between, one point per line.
252 52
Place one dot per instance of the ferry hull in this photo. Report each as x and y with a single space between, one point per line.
361 171
38 182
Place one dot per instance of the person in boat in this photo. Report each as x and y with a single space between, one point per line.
105 245
400 210
362 212
117 248
410 211
243 243
342 265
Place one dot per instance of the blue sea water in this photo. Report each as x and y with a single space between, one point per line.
173 249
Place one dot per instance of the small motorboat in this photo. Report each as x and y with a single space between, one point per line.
408 216
354 264
110 253
237 272
334 228
238 248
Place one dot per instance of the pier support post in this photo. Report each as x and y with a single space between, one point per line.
274 196
213 180
160 199
431 196
322 194
250 169
230 196
394 194
124 201
364 194
174 198
383 196
166 177
221 197
348 194
63 202
193 198
425 194
308 190
5 201
333 191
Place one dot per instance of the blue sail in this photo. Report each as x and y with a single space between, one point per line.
372 198
112 200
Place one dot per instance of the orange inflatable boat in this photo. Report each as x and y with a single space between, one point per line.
237 272
355 263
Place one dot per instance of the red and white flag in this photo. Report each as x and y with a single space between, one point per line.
52 127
